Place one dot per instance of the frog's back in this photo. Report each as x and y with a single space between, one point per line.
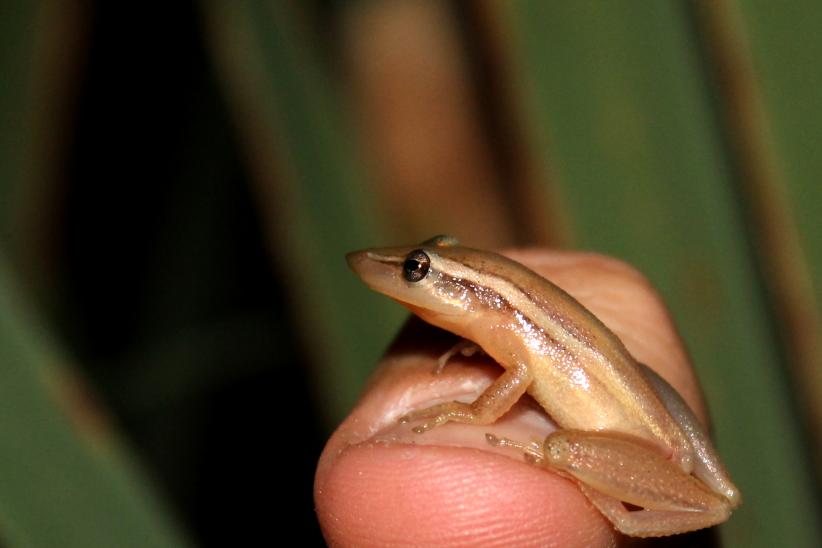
582 373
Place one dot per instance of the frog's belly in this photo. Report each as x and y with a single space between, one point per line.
576 401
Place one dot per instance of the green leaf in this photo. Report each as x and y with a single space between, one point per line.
621 96
312 190
64 480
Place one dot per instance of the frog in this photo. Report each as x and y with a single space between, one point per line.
625 436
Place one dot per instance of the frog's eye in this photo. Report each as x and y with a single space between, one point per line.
416 266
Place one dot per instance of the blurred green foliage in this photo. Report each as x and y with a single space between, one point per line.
65 481
642 163
272 66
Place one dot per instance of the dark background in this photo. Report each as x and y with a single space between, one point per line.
174 307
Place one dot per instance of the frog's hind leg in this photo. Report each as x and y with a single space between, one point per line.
487 408
652 523
614 469
667 515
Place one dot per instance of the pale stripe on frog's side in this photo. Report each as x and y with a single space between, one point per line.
576 368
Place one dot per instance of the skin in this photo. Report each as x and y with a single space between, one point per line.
362 487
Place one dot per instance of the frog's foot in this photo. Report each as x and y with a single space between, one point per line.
654 523
465 347
533 451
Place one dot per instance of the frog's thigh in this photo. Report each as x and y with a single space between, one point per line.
487 408
612 469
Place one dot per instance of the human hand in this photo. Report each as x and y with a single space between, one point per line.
374 488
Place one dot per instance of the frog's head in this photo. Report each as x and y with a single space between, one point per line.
430 278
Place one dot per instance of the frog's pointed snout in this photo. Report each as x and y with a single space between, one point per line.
356 261
376 269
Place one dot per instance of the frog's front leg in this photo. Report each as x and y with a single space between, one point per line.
613 469
487 408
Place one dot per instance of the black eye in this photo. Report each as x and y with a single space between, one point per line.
416 266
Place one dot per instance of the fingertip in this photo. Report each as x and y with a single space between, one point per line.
376 495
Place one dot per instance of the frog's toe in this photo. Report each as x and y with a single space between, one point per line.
437 420
440 414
